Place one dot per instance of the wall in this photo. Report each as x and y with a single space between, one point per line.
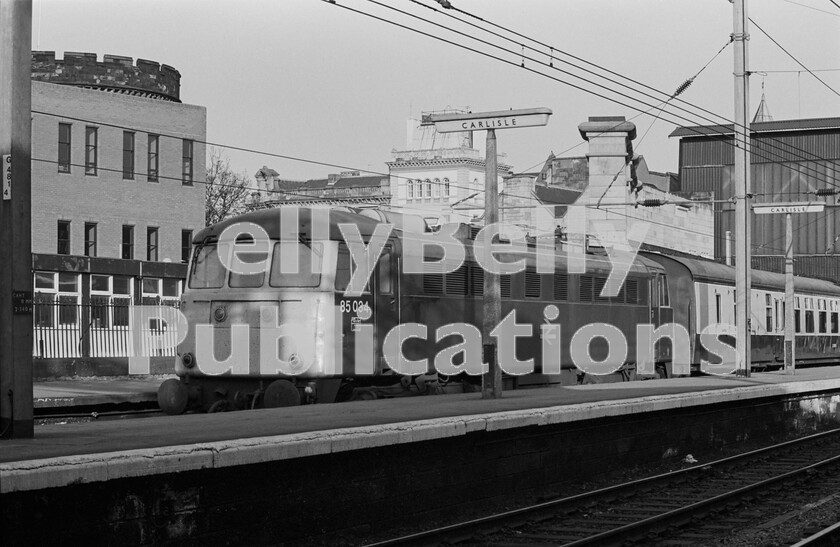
106 198
356 495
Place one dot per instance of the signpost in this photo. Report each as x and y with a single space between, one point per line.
491 382
787 209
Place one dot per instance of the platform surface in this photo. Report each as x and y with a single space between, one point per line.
65 453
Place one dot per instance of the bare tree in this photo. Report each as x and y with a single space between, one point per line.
226 192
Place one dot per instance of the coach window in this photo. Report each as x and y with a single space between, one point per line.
835 322
768 303
823 322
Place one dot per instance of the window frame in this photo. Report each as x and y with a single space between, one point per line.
91 150
127 245
152 250
153 158
68 240
65 149
186 245
90 239
187 157
129 139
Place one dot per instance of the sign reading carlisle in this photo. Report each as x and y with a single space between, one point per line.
481 121
802 207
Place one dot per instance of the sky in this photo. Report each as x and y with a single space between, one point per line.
311 80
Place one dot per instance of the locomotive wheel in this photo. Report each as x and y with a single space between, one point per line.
281 393
173 397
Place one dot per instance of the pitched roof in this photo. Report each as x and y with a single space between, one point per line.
759 127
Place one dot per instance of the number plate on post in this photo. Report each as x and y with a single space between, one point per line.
7 177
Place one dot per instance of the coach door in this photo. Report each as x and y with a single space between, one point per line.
660 301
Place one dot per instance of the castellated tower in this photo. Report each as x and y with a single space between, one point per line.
114 73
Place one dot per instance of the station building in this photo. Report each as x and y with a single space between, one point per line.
118 166
790 161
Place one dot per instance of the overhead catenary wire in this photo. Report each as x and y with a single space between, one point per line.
695 130
789 54
553 49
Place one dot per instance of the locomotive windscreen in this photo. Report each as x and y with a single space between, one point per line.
307 273
292 264
207 270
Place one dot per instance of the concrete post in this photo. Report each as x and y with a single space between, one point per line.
16 413
491 385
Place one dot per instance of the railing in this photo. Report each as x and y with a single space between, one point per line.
66 330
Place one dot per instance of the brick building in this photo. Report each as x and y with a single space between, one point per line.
118 166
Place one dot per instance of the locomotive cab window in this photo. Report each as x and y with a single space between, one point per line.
307 272
207 270
249 280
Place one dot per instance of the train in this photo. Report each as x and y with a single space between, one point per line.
294 326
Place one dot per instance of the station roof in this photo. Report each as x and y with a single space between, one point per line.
810 124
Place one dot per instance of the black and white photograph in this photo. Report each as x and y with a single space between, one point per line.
420 272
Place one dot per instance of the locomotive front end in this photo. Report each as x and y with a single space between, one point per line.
261 325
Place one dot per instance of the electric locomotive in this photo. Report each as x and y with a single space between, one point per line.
274 338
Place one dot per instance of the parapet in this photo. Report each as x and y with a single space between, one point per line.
114 73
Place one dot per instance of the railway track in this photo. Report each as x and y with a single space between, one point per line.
87 413
693 506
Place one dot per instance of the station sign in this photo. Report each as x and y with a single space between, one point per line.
482 121
775 208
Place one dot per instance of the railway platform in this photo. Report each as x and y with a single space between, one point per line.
202 476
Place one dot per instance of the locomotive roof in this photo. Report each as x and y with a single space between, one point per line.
269 220
715 272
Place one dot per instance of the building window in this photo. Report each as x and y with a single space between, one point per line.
151 244
127 251
153 159
128 155
437 188
90 239
428 188
63 237
418 189
90 150
410 187
446 188
186 244
64 148
187 160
